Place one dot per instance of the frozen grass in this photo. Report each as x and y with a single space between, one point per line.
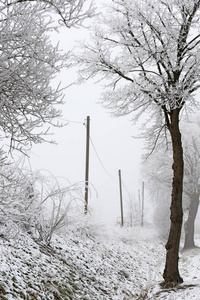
93 262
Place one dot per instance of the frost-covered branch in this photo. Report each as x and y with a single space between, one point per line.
29 62
152 50
71 12
36 203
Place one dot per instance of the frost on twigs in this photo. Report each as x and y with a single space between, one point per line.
147 56
71 13
29 63
55 203
35 203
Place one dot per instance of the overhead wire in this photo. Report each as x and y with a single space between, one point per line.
94 148
99 158
97 155
129 194
71 121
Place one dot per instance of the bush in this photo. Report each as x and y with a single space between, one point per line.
35 203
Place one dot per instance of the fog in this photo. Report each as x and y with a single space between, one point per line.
112 144
112 147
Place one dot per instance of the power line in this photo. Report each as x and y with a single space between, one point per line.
77 122
126 189
99 157
71 121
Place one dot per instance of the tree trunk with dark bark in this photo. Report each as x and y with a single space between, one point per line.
189 224
171 273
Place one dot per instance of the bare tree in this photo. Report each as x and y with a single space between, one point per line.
28 64
148 53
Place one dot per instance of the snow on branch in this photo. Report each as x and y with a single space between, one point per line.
147 55
29 63
71 12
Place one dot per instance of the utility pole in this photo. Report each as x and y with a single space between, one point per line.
142 221
121 203
87 164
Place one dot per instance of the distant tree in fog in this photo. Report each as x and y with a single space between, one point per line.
191 187
157 172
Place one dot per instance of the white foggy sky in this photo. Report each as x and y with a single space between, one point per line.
112 138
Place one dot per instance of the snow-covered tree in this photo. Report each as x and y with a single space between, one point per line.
17 198
29 62
147 52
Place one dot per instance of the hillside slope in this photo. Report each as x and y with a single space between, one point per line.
93 262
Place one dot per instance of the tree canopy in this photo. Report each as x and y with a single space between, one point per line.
28 64
148 54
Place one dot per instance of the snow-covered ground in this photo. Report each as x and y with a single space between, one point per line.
93 262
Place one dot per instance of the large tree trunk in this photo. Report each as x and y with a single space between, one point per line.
171 272
189 224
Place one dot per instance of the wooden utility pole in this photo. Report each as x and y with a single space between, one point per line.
142 221
87 164
121 203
